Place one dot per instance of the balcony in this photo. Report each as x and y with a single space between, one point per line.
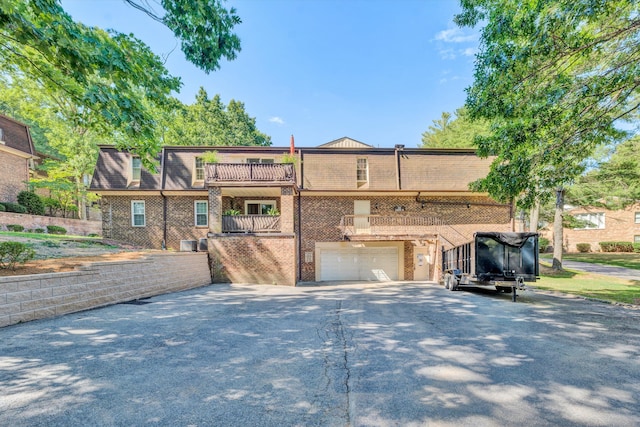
250 223
250 172
377 227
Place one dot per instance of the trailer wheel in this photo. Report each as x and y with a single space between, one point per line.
450 282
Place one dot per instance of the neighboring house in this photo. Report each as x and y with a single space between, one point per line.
16 157
603 225
341 211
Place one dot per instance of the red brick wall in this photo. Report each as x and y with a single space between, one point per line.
181 220
14 173
253 259
116 220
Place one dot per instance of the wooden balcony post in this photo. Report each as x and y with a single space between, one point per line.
286 210
215 210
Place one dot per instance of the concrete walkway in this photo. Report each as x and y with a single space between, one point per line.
606 270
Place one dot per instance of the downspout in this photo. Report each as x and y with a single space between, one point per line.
164 221
300 216
398 175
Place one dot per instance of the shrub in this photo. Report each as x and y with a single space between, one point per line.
636 247
543 244
56 229
210 156
2 208
93 235
12 253
616 246
232 212
14 207
583 247
32 202
38 230
15 227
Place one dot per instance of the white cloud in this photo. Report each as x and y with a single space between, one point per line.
455 35
277 120
470 51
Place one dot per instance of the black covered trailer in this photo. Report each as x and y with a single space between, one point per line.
503 260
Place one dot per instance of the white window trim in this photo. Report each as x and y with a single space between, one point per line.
195 170
360 182
144 214
261 202
637 218
131 169
195 213
597 225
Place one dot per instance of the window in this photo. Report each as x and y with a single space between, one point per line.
137 213
199 169
636 239
637 217
1 134
136 168
263 161
259 207
201 212
591 221
362 172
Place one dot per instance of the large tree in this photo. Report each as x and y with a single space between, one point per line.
113 79
459 132
210 122
553 77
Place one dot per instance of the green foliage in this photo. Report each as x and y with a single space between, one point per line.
93 235
552 76
615 183
2 208
210 156
12 253
15 228
583 247
273 212
616 246
14 207
32 202
210 122
543 244
288 158
56 229
38 230
457 133
636 247
232 212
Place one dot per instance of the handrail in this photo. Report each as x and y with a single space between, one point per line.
250 223
238 172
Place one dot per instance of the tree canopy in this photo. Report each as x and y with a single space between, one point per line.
210 122
553 77
457 133
114 80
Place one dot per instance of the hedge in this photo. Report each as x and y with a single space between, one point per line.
56 229
583 247
636 247
32 202
616 246
14 207
15 227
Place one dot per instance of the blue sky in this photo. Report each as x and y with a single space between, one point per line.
379 71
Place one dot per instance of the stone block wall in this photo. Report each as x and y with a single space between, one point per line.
38 296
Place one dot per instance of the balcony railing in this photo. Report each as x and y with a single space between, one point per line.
377 225
250 172
250 223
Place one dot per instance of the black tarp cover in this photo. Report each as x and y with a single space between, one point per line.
516 240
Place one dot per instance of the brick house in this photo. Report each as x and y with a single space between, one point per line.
340 211
602 225
16 157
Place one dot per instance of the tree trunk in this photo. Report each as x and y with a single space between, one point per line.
534 216
557 230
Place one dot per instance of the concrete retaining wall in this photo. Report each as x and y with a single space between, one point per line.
29 222
38 296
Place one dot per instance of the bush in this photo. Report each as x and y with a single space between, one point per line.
93 235
38 230
616 246
636 247
543 244
2 208
14 207
12 253
32 202
15 227
583 247
56 229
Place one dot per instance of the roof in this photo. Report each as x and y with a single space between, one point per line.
16 136
345 142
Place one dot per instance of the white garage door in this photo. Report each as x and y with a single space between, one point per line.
379 264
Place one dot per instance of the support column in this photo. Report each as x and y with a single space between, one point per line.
286 210
215 210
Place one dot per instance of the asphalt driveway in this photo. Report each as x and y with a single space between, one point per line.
397 354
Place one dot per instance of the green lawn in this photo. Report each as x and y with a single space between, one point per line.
620 259
589 285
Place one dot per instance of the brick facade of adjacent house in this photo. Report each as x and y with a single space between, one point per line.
16 153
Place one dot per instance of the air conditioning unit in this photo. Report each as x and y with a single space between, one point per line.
203 245
188 245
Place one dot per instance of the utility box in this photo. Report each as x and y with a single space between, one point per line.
188 245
